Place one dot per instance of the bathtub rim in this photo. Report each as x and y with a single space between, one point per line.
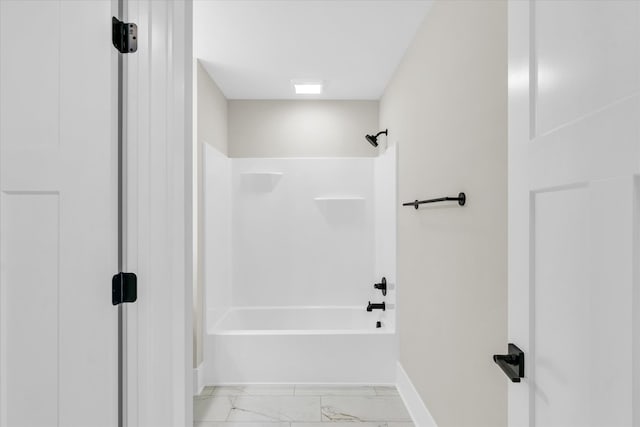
216 330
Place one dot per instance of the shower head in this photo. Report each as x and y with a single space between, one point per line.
373 139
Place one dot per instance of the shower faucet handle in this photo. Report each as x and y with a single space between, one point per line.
382 286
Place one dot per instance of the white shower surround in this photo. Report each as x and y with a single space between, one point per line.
302 231
309 237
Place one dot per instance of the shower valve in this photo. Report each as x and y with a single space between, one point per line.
382 286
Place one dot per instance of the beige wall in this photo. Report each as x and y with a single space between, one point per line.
301 128
446 107
212 112
211 128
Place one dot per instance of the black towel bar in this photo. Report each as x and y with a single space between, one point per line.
461 199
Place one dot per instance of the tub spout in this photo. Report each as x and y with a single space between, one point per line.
372 307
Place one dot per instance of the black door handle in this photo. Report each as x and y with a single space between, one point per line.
512 364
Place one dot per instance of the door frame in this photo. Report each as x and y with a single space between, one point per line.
159 217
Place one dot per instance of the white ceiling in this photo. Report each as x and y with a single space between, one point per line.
253 49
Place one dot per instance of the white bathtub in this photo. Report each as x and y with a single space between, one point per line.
299 320
320 345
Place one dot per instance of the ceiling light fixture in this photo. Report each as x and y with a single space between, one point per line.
307 88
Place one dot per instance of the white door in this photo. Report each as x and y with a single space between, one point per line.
58 230
574 200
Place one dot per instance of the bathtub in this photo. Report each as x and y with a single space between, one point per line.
318 345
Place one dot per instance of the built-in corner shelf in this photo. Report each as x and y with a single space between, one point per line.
260 182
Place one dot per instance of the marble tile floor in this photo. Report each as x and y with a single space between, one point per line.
300 406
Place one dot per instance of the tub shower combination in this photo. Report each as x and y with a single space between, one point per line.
295 290
300 345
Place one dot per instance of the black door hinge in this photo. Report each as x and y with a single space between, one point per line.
124 36
124 288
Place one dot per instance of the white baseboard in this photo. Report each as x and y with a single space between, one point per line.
416 407
198 379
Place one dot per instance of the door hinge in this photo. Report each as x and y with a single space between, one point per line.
124 288
124 36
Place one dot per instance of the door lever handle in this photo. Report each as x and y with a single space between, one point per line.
512 364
